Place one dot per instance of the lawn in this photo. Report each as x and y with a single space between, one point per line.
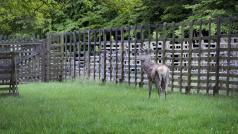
90 107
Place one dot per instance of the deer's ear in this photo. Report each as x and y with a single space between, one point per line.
150 50
142 50
147 51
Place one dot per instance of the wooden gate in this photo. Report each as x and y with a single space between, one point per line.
29 56
54 57
8 73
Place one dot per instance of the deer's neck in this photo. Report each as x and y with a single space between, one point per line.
147 65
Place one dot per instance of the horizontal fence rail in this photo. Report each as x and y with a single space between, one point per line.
201 54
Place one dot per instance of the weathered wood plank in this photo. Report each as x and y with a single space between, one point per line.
190 55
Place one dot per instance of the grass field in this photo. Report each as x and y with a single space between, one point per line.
89 107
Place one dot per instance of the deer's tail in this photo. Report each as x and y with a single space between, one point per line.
162 76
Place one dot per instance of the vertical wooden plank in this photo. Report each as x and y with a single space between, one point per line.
135 53
79 52
89 52
190 55
33 61
228 58
74 52
129 55
65 55
45 57
61 56
54 57
48 58
199 58
110 59
99 53
149 34
141 46
94 55
173 42
13 72
51 58
218 27
70 54
181 58
164 42
116 34
42 54
105 58
208 58
122 55
84 54
156 42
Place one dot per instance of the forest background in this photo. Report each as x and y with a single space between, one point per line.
43 16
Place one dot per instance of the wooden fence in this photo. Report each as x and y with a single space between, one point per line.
29 51
202 55
8 72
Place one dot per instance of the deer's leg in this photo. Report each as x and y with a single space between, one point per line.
166 84
150 87
158 85
165 89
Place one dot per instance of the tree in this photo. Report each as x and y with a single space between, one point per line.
205 9
22 15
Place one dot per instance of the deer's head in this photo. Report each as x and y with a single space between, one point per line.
145 54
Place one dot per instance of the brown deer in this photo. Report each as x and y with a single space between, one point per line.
156 73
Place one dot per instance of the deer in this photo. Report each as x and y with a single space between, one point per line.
156 73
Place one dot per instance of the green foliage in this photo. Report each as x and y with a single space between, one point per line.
175 12
89 107
205 9
42 16
23 16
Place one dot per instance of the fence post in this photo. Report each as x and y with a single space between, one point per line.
141 46
94 55
84 54
89 49
228 59
46 58
79 52
216 88
164 43
110 54
173 58
208 57
122 55
188 88
156 40
62 56
105 58
129 55
99 52
70 54
135 53
200 54
181 59
74 52
116 34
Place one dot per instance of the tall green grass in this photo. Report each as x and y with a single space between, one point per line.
90 107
